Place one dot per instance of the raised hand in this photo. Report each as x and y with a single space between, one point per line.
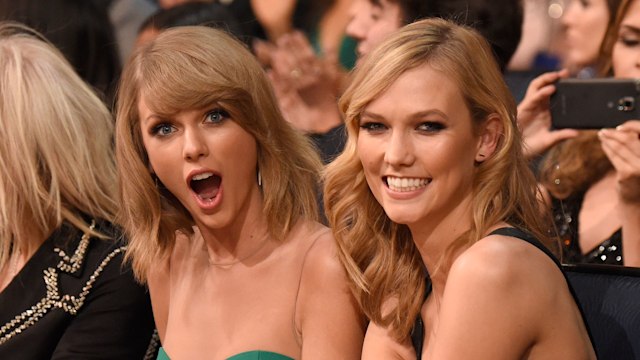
534 117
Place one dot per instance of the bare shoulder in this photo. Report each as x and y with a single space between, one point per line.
501 258
327 315
504 281
321 256
507 269
159 280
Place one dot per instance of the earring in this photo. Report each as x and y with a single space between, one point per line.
157 182
259 179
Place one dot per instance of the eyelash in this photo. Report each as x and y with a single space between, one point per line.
629 42
219 114
431 126
157 130
372 126
426 127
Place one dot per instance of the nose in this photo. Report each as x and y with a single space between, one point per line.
399 150
194 146
357 27
567 17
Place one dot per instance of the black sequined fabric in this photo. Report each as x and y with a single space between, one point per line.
565 216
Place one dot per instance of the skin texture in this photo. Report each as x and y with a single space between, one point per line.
282 296
626 51
397 127
584 23
371 23
188 138
415 130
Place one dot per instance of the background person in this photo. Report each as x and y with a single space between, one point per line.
592 177
64 292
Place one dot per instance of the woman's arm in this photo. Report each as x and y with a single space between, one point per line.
380 345
327 315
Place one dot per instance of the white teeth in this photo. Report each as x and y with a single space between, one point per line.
406 184
202 176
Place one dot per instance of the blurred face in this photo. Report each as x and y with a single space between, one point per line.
146 35
585 24
165 4
371 21
626 51
206 160
417 147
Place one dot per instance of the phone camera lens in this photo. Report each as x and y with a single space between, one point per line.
626 103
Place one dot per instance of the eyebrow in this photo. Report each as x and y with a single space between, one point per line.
631 28
417 115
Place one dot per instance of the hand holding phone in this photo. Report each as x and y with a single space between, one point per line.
594 103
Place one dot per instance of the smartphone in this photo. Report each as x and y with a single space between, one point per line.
594 103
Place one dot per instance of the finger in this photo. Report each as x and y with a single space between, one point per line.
631 126
623 154
284 63
556 136
306 56
263 51
545 79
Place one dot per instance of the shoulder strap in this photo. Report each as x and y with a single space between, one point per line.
417 333
523 235
520 234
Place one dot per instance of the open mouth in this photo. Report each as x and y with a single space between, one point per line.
405 184
205 185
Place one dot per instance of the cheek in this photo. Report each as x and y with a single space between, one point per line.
623 63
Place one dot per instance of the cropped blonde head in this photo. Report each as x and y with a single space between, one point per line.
56 154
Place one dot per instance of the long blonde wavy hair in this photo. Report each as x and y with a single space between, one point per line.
56 147
188 68
380 256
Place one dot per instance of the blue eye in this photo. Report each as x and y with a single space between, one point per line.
216 116
162 130
372 127
431 127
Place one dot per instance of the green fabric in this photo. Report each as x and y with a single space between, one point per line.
249 355
162 355
259 355
347 55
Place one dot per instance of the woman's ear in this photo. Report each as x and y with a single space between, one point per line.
490 134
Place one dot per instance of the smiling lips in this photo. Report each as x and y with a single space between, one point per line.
406 184
205 185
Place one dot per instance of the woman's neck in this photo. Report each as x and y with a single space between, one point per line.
433 239
241 238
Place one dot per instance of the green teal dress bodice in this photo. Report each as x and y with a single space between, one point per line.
249 355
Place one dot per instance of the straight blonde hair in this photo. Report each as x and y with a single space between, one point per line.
188 68
56 149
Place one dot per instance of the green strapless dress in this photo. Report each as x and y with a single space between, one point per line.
249 355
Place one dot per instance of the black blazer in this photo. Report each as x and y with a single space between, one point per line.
75 300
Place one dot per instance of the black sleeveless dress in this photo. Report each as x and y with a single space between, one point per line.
417 333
